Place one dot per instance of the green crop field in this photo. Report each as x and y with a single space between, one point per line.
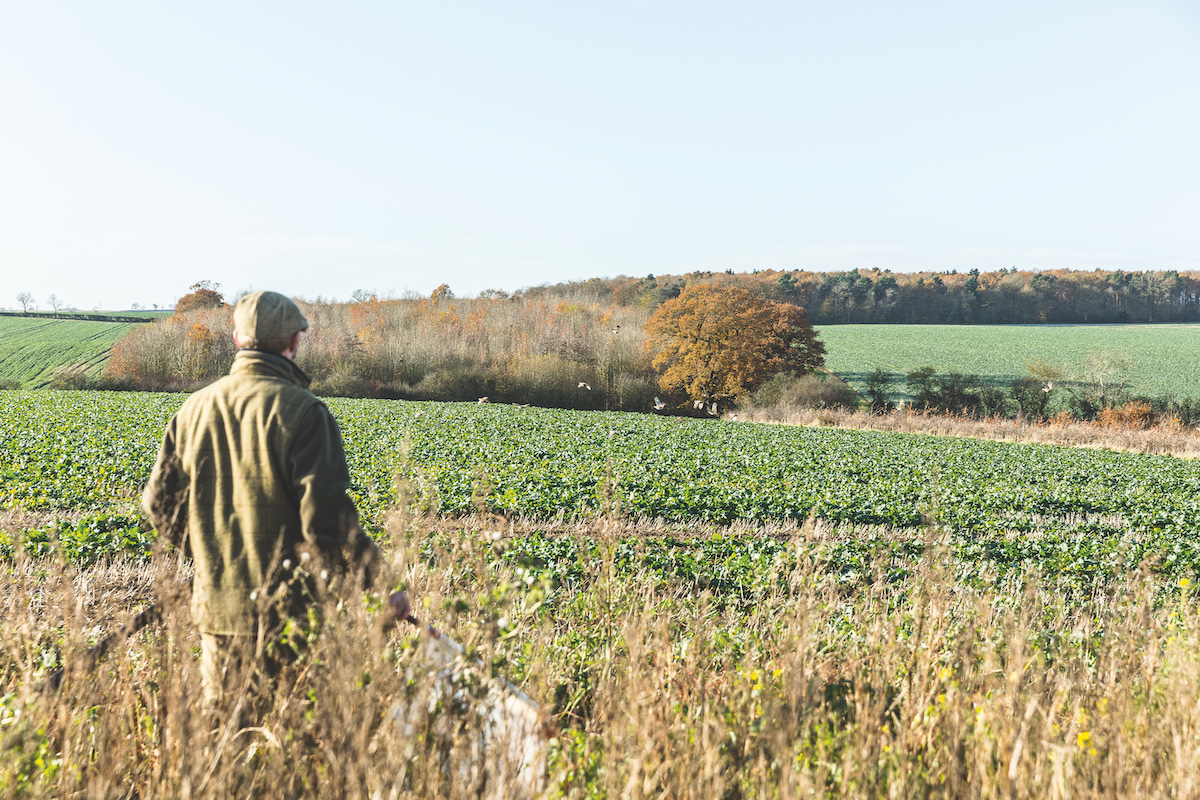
32 348
952 614
1150 359
155 314
91 452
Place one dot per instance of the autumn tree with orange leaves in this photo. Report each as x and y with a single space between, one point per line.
203 294
715 344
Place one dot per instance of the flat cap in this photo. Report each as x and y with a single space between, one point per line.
268 315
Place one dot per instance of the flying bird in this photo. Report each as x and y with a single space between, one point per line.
713 410
659 405
482 400
697 404
583 385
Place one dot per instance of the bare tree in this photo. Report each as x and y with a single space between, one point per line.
26 300
136 307
54 302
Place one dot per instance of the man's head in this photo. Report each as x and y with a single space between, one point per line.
268 321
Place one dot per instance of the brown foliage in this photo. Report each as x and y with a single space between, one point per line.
203 295
182 352
1136 415
367 319
716 343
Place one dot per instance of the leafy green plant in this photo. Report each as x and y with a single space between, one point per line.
87 455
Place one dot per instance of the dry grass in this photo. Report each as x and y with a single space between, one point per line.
521 350
930 687
1170 439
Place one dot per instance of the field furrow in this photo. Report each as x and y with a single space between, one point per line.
33 348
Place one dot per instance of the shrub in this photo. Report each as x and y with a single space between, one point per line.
457 383
184 351
878 383
1062 419
823 391
1187 410
634 392
70 378
341 384
1032 396
1137 415
784 392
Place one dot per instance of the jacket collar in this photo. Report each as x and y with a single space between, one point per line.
263 364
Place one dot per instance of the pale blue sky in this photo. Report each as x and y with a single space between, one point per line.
321 148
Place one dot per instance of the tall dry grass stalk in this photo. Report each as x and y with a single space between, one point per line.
815 684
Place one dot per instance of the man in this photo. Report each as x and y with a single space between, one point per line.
251 482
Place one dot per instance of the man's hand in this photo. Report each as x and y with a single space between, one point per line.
402 612
401 608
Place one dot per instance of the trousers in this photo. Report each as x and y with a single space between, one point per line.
230 669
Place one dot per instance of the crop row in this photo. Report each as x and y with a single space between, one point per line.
32 348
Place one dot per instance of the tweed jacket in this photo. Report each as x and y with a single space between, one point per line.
251 482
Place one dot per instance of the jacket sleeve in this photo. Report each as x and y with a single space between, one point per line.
328 518
165 498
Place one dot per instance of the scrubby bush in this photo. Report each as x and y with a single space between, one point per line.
69 378
1031 396
878 384
952 392
181 352
787 392
1137 415
79 379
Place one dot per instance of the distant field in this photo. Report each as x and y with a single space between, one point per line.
158 314
92 316
32 348
1151 359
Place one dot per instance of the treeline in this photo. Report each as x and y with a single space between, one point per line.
879 296
583 344
569 351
